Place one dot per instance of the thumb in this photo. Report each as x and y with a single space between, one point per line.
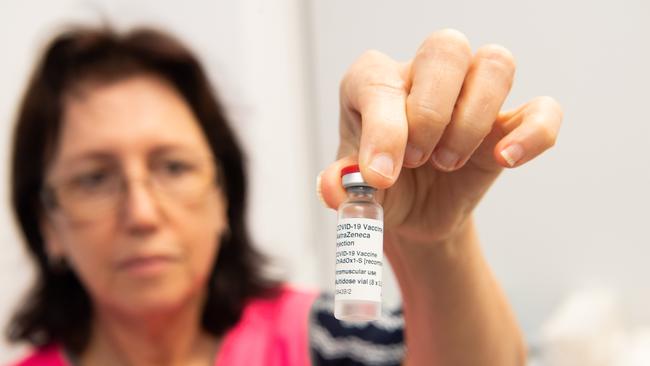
328 183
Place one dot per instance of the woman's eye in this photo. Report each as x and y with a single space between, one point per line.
91 180
176 167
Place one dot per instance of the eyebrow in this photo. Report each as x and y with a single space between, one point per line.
89 155
103 155
170 148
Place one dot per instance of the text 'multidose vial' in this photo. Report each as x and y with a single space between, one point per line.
359 250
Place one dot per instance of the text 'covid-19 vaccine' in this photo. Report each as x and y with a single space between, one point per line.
359 250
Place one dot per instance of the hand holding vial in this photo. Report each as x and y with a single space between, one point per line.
430 136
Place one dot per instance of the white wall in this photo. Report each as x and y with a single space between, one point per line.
578 216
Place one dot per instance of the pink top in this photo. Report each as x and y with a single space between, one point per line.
270 332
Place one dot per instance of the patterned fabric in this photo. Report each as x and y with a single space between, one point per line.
338 343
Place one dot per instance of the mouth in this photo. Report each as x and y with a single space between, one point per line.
146 266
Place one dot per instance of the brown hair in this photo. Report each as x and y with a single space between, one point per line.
58 308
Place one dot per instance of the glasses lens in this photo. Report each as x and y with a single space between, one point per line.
183 179
97 193
90 193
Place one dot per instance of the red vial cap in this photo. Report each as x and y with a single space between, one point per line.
350 169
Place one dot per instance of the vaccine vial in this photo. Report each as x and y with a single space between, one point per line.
359 251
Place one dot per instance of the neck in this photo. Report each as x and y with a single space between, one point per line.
165 338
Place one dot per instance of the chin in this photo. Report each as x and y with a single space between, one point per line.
157 297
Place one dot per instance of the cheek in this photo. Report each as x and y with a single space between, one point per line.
90 252
201 233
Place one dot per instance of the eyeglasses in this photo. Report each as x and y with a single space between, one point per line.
95 191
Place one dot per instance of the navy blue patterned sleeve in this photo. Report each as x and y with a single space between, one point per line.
337 343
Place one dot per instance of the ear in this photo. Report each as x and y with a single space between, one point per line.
53 247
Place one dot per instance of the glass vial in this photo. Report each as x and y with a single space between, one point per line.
359 251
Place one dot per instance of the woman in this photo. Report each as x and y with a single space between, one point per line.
129 188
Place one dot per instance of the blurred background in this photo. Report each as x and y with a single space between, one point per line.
567 234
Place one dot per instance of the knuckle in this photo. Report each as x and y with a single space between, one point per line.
372 59
375 88
452 36
547 103
371 74
479 130
366 59
474 127
450 42
371 55
422 111
550 110
499 54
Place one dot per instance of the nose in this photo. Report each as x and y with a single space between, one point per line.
141 211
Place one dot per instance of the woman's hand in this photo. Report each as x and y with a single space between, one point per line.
430 135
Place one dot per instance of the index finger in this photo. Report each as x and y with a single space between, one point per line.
375 91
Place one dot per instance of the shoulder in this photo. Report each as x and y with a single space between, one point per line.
271 331
336 342
51 355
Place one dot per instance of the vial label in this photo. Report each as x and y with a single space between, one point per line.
359 254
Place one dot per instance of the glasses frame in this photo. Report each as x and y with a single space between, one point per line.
49 194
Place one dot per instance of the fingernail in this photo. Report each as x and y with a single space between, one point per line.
445 159
413 155
319 192
382 164
512 154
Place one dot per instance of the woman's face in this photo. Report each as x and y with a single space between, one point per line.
138 214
